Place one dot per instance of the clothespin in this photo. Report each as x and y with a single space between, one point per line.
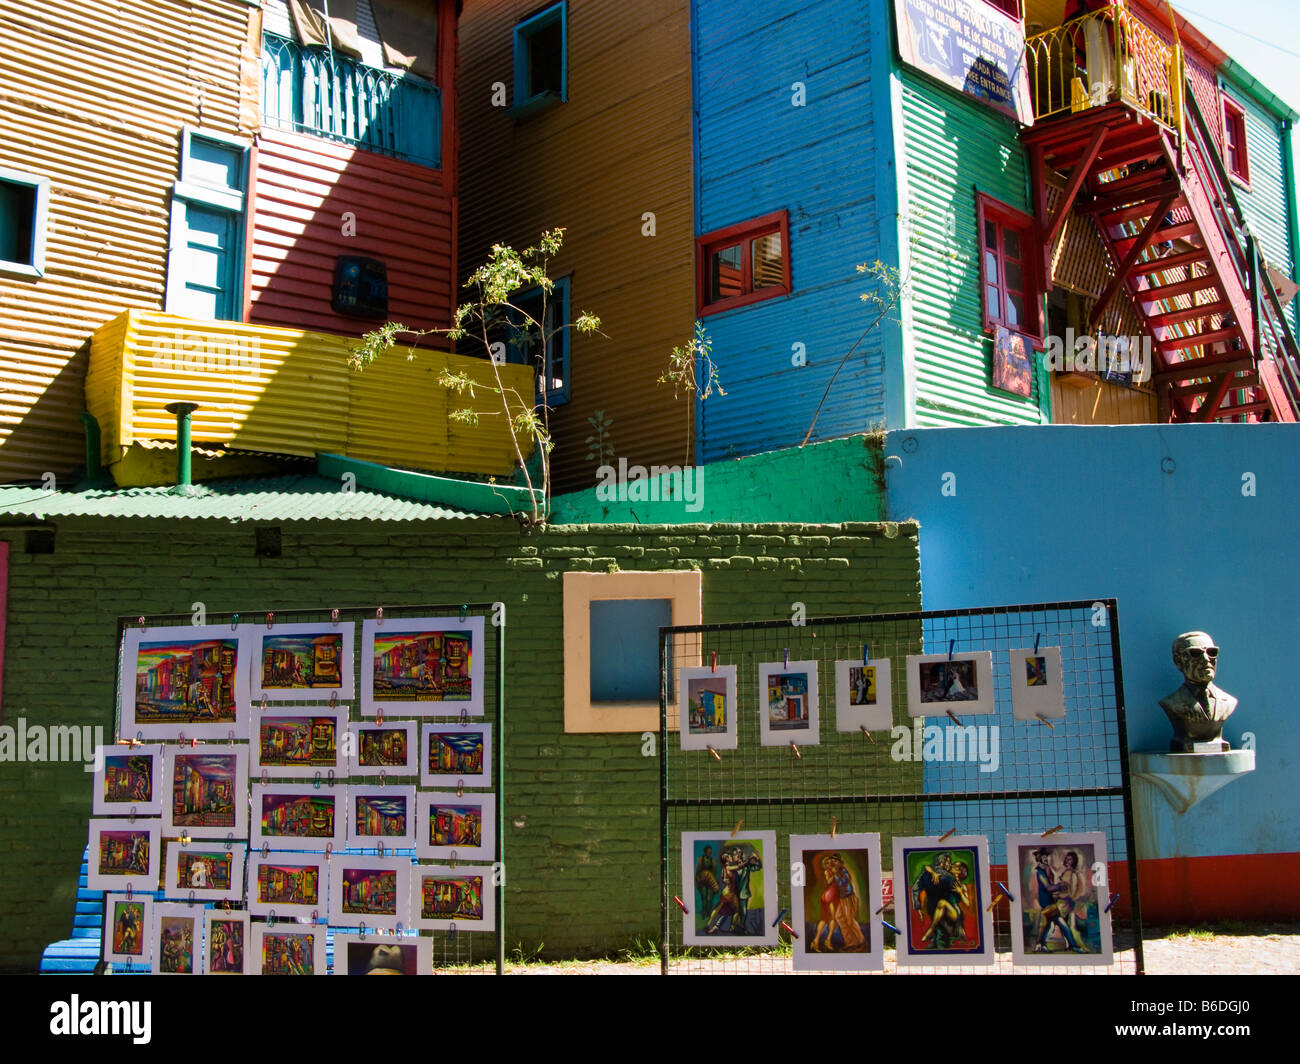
140 622
1113 899
736 829
779 917
886 923
379 615
863 728
997 897
791 930
464 609
953 716
951 643
1052 831
716 756
866 653
881 909
316 782
379 716
835 822
795 750
1003 887
681 905
787 657
270 619
715 661
234 621
1037 637
950 831
334 617
1044 720
451 931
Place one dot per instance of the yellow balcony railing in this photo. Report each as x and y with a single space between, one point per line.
1105 56
285 391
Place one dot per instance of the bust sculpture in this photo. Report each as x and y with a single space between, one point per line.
1198 709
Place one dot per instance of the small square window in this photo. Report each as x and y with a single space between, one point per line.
611 645
541 60
744 263
24 205
1235 155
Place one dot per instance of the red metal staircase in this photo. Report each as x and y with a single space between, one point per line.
1145 168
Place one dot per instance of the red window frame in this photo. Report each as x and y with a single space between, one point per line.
1007 7
1234 141
743 234
1006 217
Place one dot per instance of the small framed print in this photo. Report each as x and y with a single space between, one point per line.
128 778
1058 916
960 683
128 922
787 696
382 748
124 855
941 893
185 680
301 662
287 949
732 885
206 792
380 814
287 885
453 899
834 902
453 755
225 942
387 955
297 742
706 707
864 695
373 892
1037 683
210 871
462 827
175 939
291 816
422 665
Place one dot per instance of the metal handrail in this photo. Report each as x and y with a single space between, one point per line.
310 90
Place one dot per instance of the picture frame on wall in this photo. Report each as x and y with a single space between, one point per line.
175 939
287 949
960 683
185 681
864 695
456 827
941 901
128 779
369 890
382 748
124 855
422 666
226 935
206 870
297 742
379 814
455 755
730 888
446 899
128 924
298 816
834 902
707 710
1059 915
207 791
287 884
1037 683
356 954
301 662
788 703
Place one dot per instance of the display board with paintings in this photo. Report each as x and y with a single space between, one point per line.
312 774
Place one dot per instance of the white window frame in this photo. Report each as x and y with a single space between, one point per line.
40 220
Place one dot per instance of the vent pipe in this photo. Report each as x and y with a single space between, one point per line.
182 411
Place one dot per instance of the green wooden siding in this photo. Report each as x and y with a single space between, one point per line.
954 148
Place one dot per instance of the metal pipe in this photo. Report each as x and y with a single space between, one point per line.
182 411
1292 216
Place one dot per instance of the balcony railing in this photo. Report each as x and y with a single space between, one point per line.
310 90
284 391
1105 56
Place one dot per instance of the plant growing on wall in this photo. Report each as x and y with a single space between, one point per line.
493 310
691 371
600 448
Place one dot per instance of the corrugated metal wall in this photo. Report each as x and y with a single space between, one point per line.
618 148
954 148
303 186
93 96
759 153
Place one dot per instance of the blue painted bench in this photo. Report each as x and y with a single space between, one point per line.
79 955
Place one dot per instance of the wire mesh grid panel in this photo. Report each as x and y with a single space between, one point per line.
950 736
371 733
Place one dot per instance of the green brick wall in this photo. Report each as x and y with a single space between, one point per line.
581 811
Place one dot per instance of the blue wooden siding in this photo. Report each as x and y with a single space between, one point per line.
758 153
953 148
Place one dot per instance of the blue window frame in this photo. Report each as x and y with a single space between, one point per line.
542 60
523 345
205 269
24 207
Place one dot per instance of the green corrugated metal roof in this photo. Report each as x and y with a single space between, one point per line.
266 499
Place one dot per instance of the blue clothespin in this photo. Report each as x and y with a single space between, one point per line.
866 654
780 917
951 643
1037 637
1003 887
886 923
1113 899
787 657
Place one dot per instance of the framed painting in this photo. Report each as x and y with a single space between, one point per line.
1037 683
941 895
207 792
287 949
128 779
287 885
706 707
381 814
190 681
453 899
1058 916
124 855
1013 367
961 683
787 698
296 742
454 755
456 827
430 666
289 816
128 922
175 939
206 870
381 748
225 942
301 662
370 892
382 955
730 890
835 891
864 695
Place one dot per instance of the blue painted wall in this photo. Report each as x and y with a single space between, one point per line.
1155 516
756 152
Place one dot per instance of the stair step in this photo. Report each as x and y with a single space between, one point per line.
1187 391
1149 196
1166 235
1182 343
1180 288
1172 317
1169 262
1134 181
1139 211
1257 407
1204 367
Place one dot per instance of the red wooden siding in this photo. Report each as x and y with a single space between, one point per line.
302 188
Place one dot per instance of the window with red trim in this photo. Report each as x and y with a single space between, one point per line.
1234 140
1011 7
743 263
1008 273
